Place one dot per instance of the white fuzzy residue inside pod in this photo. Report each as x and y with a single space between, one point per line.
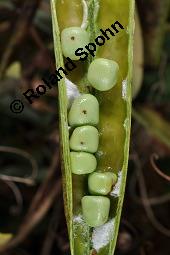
102 235
77 222
78 219
124 89
72 91
116 189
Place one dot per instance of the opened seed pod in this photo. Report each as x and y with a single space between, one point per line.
109 24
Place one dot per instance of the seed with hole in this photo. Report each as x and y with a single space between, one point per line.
101 183
103 74
73 38
84 111
85 138
82 162
95 210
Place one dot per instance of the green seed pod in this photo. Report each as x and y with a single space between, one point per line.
82 162
114 21
85 138
84 111
73 38
95 210
101 183
103 74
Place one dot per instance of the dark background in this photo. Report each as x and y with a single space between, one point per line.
33 210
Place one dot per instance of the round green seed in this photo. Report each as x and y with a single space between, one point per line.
73 38
84 111
95 210
101 183
103 74
85 138
82 162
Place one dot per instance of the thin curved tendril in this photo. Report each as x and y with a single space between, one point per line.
39 206
144 196
85 15
17 195
29 180
129 226
152 200
153 158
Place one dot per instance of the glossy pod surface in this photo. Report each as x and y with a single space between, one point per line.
112 121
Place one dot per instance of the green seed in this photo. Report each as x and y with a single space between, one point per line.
73 38
103 74
101 183
82 162
95 210
84 111
85 138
